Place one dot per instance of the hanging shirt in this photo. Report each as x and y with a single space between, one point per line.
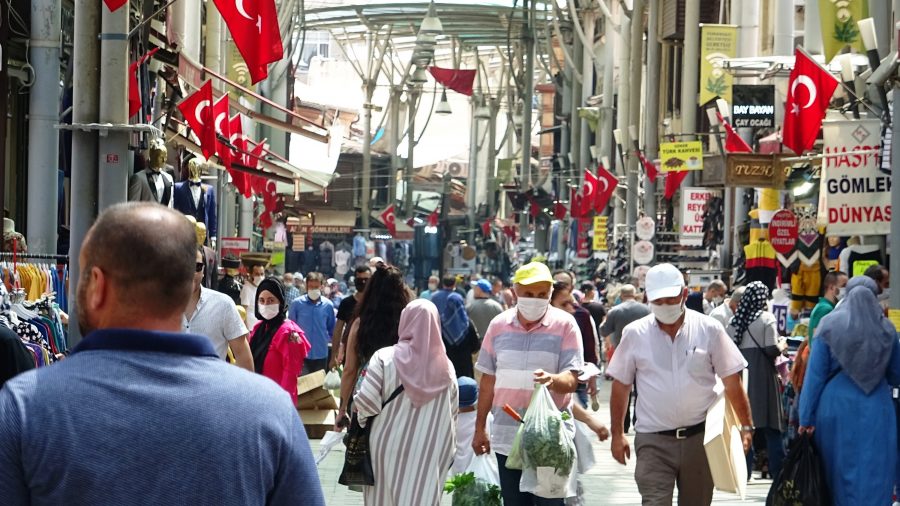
359 246
761 263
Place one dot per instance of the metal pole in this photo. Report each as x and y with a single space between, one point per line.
43 114
690 74
4 110
85 105
412 97
784 40
812 27
623 105
587 89
366 183
214 38
880 11
393 142
637 53
748 46
568 112
494 108
576 100
651 101
471 190
895 197
604 133
527 99
113 181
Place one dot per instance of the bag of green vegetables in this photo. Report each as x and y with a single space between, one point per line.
478 486
548 448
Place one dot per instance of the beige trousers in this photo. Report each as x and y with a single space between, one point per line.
664 462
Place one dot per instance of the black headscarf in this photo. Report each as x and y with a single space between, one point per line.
265 331
753 303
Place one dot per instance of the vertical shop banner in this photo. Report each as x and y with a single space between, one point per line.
679 156
717 42
601 224
585 226
857 193
839 29
754 106
693 205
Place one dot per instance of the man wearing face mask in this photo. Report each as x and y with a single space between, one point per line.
361 276
314 313
705 302
833 285
248 293
529 343
433 286
675 355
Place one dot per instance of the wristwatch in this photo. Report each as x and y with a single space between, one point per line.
747 428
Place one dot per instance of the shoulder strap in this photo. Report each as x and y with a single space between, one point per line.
393 396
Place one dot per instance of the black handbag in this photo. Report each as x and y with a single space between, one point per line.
357 457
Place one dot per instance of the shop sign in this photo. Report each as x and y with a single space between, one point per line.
755 171
645 228
678 156
754 106
234 246
600 232
585 225
717 43
783 231
693 205
857 194
330 230
642 252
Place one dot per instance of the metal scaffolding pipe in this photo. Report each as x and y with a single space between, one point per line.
412 98
651 103
634 112
114 173
587 89
43 114
528 99
690 73
394 142
623 106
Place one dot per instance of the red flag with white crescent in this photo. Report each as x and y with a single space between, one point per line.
223 129
606 187
649 167
254 26
576 204
673 182
734 143
197 110
389 219
810 88
134 89
589 192
257 183
240 180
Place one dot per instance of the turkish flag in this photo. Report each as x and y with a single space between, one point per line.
734 143
240 180
589 190
486 228
223 129
134 89
810 88
535 209
114 5
458 80
198 112
606 186
254 26
576 205
673 182
257 183
649 167
270 197
559 211
389 219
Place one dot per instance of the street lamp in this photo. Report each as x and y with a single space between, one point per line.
431 24
419 76
443 108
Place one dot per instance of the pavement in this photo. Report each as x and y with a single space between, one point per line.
607 483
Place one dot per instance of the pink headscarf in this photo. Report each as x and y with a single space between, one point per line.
420 357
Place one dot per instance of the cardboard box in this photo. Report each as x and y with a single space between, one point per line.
317 398
725 449
310 382
317 422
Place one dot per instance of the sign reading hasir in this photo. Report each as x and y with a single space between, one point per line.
857 194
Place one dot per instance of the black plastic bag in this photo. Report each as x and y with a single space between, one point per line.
802 480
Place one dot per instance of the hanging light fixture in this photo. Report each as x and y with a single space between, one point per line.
443 107
419 76
482 111
431 25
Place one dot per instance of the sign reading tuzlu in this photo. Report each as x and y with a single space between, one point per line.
755 171
754 106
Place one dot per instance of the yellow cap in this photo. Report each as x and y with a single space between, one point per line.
532 273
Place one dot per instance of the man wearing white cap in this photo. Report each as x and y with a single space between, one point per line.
675 355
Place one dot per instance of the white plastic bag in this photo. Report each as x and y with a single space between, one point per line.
329 441
484 467
332 380
583 447
479 485
548 449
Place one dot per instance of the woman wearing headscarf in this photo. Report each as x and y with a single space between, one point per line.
413 438
846 399
278 344
755 330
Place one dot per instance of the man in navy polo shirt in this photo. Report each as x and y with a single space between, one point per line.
140 413
315 315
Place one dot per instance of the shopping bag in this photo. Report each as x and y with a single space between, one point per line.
332 380
514 459
548 449
479 485
583 447
802 480
329 441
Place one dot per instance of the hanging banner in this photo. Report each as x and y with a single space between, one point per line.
857 193
754 106
693 205
584 227
717 42
839 28
600 232
678 156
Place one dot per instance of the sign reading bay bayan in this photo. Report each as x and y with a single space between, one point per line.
677 156
754 106
857 194
783 230
693 205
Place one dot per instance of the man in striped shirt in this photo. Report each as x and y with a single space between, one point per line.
529 343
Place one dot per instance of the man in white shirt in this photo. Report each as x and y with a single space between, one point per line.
723 313
676 357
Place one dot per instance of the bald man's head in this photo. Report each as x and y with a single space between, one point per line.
141 254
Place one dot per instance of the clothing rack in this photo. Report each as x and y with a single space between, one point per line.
8 255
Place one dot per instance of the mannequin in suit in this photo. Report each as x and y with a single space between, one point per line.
211 273
153 184
194 198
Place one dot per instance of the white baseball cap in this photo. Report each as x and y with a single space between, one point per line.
663 281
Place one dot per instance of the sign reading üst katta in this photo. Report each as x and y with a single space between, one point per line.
857 194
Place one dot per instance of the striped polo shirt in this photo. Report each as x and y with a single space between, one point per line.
511 354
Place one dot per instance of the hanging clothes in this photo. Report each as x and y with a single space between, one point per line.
761 263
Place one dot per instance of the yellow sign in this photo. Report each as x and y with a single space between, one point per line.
678 156
600 231
894 316
839 28
237 71
717 42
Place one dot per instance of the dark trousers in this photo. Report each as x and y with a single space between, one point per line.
581 393
509 487
311 366
774 450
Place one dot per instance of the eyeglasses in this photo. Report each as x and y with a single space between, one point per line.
199 267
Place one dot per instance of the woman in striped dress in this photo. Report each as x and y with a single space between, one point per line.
413 438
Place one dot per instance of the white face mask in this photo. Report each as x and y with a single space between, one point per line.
667 314
315 294
842 292
432 286
269 311
717 300
258 279
532 309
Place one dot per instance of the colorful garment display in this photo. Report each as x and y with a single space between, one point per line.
761 263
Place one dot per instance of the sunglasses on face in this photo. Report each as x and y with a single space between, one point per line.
199 267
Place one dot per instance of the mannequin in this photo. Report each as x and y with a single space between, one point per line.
211 272
194 198
153 184
230 284
12 238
